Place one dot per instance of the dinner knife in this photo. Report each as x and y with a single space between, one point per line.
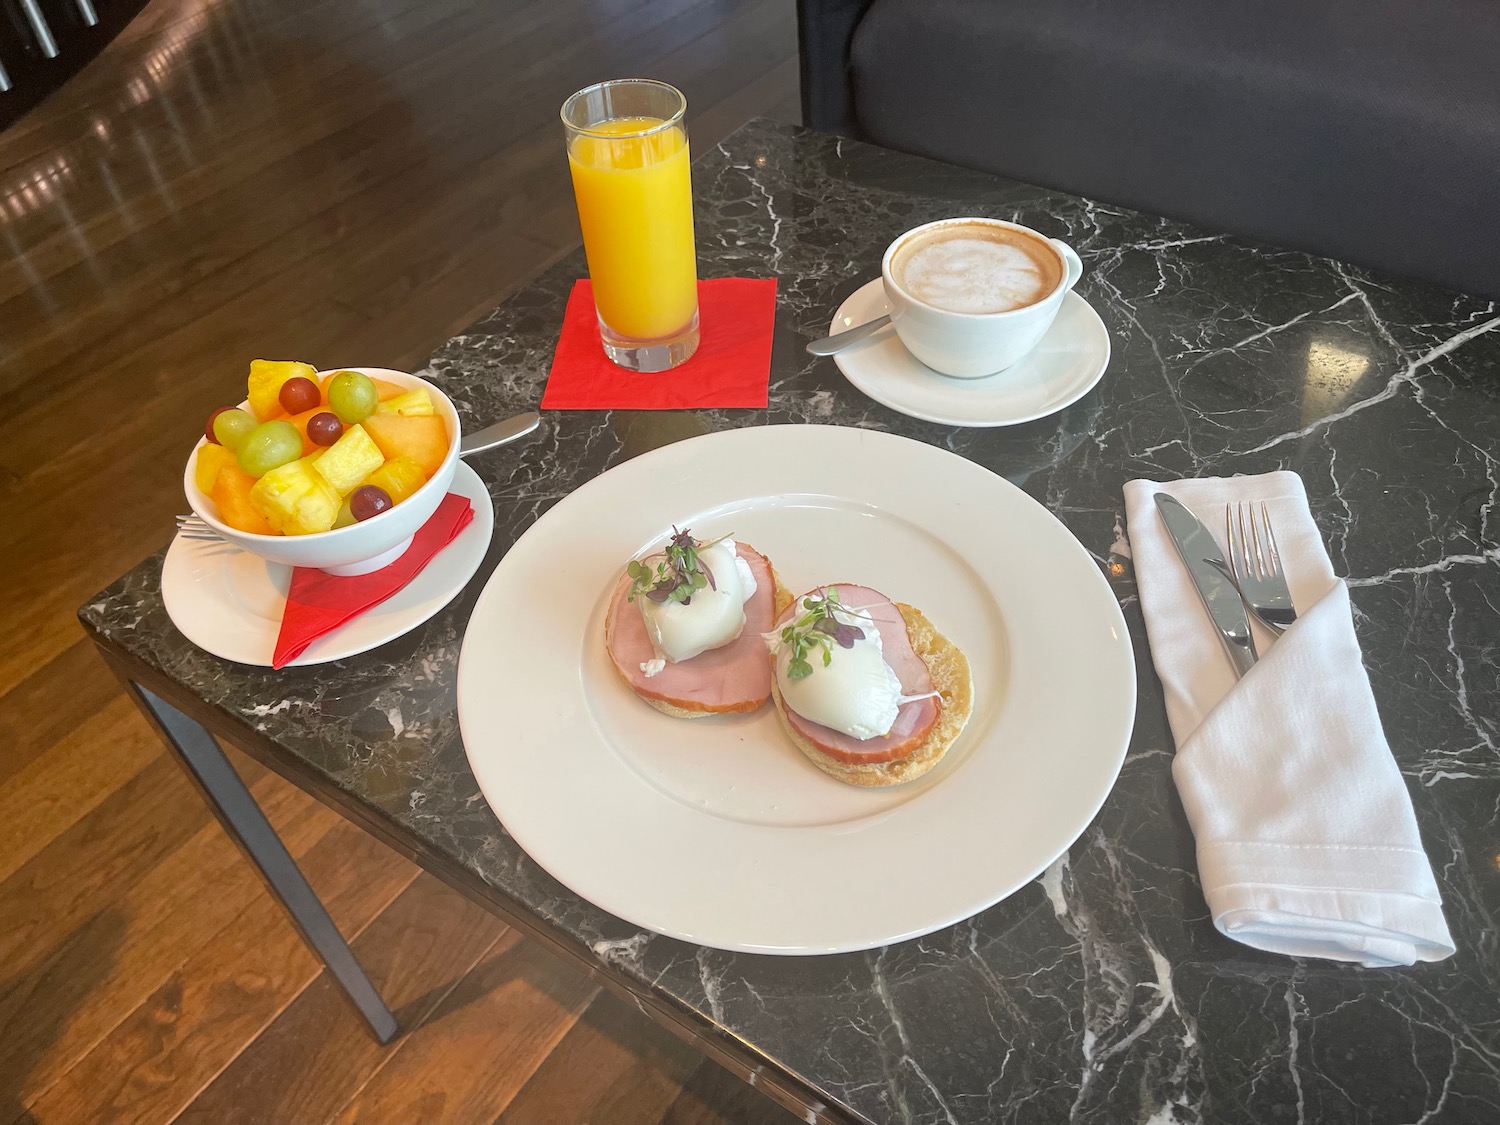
1205 563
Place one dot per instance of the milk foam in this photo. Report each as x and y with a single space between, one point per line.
973 275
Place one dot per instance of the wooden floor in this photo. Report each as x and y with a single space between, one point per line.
346 182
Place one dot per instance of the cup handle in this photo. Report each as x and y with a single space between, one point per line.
1070 259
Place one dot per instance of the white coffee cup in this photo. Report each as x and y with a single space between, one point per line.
972 345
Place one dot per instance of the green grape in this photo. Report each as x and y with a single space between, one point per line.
352 397
232 427
269 446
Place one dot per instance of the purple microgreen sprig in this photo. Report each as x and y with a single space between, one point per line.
819 630
679 573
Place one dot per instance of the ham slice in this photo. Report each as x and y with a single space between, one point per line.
736 677
914 720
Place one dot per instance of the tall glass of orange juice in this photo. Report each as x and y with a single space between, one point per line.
628 152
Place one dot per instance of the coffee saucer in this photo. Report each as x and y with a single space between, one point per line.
229 602
1064 367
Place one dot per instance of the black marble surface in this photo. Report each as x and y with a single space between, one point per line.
1101 993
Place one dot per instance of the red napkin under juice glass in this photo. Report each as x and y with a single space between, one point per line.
731 368
318 603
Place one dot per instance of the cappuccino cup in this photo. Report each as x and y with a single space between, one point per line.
971 297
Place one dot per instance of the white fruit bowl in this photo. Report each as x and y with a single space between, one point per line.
360 547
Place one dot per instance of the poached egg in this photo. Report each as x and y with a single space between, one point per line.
711 618
856 692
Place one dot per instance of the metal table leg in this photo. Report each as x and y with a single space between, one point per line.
242 818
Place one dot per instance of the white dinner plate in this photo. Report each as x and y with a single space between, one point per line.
229 602
1064 367
719 831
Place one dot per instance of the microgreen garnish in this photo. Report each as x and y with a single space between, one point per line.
679 573
818 628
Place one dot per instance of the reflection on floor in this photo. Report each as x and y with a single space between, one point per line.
341 181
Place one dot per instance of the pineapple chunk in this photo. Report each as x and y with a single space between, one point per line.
295 499
412 404
400 477
211 458
347 462
266 377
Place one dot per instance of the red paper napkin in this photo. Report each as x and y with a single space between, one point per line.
318 603
731 368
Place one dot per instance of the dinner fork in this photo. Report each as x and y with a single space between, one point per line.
1257 564
192 527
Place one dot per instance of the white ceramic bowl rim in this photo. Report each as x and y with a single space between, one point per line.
190 485
890 251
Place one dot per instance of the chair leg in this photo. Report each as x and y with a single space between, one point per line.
247 825
39 28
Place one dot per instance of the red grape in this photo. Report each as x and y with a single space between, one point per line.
208 430
324 428
299 394
369 500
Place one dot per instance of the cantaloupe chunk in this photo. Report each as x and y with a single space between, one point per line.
423 438
231 492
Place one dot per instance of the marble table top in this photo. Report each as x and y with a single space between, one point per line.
1101 992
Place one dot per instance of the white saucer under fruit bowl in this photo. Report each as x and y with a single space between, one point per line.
1065 366
229 602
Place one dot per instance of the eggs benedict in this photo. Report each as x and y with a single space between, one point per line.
867 688
694 599
684 625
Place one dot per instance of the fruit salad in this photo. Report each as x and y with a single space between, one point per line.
314 454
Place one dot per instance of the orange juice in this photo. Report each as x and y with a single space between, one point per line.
635 203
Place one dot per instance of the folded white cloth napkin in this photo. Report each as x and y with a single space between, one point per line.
1307 844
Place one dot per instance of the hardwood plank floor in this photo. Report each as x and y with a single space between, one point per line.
307 1064
323 179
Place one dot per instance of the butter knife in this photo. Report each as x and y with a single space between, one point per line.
517 426
1205 563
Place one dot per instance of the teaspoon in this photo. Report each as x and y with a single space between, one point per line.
499 434
841 340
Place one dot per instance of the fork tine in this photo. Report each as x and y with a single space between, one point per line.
1234 552
1247 568
1260 555
1273 554
1255 560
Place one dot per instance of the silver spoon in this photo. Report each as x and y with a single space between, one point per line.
499 434
841 340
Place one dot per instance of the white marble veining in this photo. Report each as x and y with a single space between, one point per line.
1102 993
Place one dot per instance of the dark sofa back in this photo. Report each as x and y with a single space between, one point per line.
1365 130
